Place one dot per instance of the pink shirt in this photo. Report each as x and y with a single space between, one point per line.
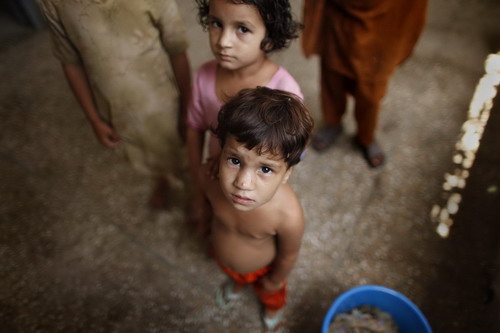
205 106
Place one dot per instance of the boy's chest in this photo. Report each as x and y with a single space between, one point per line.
255 225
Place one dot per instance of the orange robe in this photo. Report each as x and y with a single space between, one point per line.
362 39
360 43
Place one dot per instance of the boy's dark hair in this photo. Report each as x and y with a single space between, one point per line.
272 120
277 17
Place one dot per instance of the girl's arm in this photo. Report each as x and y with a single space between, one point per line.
182 73
79 83
199 211
195 143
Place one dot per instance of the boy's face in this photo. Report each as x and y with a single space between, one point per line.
249 180
236 32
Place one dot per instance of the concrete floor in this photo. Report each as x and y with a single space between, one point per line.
80 251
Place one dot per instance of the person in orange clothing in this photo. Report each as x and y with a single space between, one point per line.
360 44
257 225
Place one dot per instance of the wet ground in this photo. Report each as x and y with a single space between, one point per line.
81 252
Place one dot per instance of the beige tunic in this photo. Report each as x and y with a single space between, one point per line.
124 46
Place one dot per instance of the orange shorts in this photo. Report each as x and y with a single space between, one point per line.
271 300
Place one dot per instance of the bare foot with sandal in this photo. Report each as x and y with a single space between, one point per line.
372 153
326 137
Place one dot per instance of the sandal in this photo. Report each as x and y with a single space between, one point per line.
225 296
372 153
273 324
326 137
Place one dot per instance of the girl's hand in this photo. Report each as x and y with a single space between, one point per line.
200 215
269 285
106 135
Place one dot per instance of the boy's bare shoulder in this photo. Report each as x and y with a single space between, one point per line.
289 207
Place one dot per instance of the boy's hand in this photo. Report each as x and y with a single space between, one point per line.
270 285
106 135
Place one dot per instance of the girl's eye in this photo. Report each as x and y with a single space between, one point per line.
266 170
244 30
215 24
234 161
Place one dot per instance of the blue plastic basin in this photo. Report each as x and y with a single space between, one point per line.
407 315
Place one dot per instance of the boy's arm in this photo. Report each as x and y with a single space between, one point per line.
289 237
182 73
79 83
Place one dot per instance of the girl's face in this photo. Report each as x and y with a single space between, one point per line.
236 32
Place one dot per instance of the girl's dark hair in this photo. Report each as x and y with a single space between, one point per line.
271 120
281 28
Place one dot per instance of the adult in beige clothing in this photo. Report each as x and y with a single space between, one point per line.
360 42
126 63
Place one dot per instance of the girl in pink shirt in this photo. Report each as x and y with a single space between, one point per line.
241 34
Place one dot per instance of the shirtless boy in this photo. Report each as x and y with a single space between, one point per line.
258 221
